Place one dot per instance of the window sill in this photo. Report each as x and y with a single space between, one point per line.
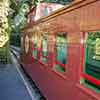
62 75
45 64
89 91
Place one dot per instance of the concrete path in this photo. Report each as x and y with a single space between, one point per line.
12 86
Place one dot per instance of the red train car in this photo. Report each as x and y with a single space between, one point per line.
61 52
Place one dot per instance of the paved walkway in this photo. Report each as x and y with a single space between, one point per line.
11 85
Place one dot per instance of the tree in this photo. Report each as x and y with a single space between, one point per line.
18 19
4 26
4 29
58 1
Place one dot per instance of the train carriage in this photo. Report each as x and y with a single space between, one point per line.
61 52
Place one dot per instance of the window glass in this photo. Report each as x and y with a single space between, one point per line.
61 48
44 48
92 59
44 11
35 41
26 44
93 54
94 46
36 44
60 51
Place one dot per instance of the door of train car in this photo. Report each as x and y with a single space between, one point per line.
90 72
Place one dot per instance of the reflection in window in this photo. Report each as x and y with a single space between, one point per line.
36 45
60 52
44 48
94 46
92 59
35 41
44 11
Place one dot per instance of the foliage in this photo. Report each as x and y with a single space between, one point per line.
4 26
58 1
18 20
14 13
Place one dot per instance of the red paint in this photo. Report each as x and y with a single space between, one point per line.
31 11
82 51
59 63
35 48
53 84
91 79
60 74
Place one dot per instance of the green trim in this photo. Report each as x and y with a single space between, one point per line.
85 52
90 86
82 80
44 60
35 54
59 68
44 53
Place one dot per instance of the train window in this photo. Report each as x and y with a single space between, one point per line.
91 69
44 11
60 52
36 45
26 44
35 54
44 48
